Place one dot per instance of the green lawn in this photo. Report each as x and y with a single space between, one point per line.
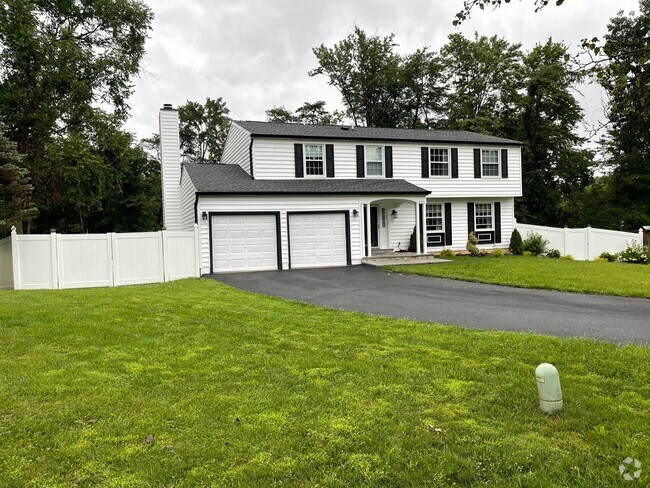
240 389
621 279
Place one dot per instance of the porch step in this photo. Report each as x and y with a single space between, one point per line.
399 258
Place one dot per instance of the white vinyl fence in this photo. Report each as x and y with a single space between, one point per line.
583 244
58 261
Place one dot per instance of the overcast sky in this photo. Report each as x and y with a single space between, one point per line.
256 53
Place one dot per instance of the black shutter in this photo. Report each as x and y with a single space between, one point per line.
454 162
388 154
497 222
448 236
361 164
504 163
470 217
297 154
329 160
425 162
477 163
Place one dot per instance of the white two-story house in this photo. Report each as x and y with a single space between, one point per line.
298 196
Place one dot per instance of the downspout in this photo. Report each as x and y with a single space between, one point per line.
250 157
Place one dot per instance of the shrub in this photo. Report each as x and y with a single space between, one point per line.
527 253
516 244
413 243
472 242
608 256
635 253
497 253
535 243
567 257
553 253
446 253
602 260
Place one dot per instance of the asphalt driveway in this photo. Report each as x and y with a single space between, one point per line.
371 290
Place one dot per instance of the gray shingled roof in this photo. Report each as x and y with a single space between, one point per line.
308 131
231 178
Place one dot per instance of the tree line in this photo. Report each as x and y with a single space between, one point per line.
66 72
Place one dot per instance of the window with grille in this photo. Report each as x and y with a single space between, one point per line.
434 217
490 162
483 217
374 160
439 158
314 160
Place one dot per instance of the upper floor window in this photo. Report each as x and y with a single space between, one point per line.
483 217
439 160
314 160
490 162
374 160
434 217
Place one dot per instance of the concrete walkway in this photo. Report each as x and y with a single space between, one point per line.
371 290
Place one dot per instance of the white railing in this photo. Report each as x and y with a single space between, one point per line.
583 244
57 261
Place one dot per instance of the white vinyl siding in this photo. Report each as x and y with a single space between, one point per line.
188 197
170 169
274 159
237 148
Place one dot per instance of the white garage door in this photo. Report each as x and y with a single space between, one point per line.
244 243
317 240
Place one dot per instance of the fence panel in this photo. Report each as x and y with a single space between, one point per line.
138 258
35 256
554 236
576 242
84 260
6 265
610 241
181 256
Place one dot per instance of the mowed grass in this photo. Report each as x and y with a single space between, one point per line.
240 389
603 278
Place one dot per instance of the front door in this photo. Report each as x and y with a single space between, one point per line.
374 240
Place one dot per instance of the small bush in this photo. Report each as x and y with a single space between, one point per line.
497 253
554 254
446 253
635 254
527 253
567 256
535 243
413 243
608 256
516 244
472 242
602 260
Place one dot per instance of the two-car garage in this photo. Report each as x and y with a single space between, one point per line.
254 241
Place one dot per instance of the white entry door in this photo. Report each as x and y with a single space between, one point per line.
244 243
317 240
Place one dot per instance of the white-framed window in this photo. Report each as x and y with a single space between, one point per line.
483 216
490 162
434 218
439 161
314 160
374 161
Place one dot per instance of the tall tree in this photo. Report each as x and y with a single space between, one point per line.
203 130
625 75
555 167
16 204
365 70
469 5
59 61
483 79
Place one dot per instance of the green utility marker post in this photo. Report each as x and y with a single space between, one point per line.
549 389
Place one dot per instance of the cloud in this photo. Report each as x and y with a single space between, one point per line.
256 53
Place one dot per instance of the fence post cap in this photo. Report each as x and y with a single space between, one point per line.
52 231
13 229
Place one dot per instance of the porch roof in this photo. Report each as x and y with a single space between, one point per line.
231 178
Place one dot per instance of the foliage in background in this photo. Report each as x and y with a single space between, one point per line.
60 62
535 243
203 130
516 243
308 113
15 188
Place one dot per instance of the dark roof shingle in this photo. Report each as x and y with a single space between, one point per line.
309 131
231 178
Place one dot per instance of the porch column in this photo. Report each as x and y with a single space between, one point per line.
417 228
423 212
368 243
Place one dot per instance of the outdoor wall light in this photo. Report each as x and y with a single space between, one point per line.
204 216
394 213
355 213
